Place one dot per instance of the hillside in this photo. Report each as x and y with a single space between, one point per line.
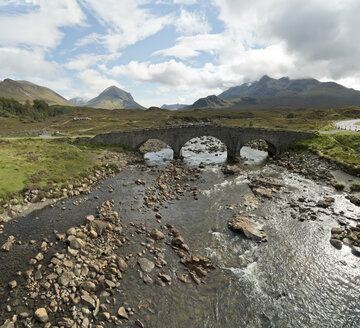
113 98
208 102
23 90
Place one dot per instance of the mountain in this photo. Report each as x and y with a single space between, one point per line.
268 87
210 102
173 106
78 101
284 92
24 90
113 98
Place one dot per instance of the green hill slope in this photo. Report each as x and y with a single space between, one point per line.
24 90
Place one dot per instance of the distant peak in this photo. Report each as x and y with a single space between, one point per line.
112 87
265 78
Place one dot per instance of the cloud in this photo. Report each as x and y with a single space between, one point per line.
84 61
190 23
321 37
185 2
126 21
40 25
25 62
191 46
93 83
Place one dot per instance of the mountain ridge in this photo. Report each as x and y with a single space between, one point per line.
285 92
113 98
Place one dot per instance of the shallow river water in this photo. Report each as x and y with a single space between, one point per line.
296 279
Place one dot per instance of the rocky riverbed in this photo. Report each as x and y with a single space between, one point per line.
151 247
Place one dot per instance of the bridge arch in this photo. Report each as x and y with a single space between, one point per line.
211 148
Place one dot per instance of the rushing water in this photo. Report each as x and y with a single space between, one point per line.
296 279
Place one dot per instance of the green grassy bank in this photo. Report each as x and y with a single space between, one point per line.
43 162
342 148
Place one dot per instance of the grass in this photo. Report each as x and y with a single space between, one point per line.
342 148
42 162
103 120
327 127
20 135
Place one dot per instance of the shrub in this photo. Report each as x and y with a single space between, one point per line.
290 115
339 186
355 187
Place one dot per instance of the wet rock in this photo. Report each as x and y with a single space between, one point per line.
12 284
250 228
177 241
164 277
181 277
88 301
325 203
41 315
139 323
85 323
146 265
354 199
6 247
75 243
8 324
355 250
66 322
99 226
336 230
122 313
66 278
230 169
147 280
157 234
122 265
88 286
336 243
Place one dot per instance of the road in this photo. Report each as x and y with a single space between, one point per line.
349 125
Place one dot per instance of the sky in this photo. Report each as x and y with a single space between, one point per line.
176 51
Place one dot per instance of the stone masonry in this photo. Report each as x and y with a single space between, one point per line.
176 136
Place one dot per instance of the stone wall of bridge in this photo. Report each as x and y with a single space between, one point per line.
176 137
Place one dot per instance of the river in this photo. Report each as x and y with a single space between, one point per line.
296 279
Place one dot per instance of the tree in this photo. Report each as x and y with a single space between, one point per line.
40 104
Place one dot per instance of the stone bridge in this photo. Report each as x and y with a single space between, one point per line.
176 136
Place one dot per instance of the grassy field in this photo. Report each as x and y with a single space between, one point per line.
341 147
103 120
42 162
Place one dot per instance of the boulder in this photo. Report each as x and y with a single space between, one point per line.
88 301
66 278
336 243
122 313
249 227
75 243
8 244
157 234
146 265
41 315
122 265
